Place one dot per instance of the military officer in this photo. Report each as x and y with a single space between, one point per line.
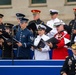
69 67
17 27
25 38
72 27
1 22
6 45
60 50
54 15
41 53
1 26
33 25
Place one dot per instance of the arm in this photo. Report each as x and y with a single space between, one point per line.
65 68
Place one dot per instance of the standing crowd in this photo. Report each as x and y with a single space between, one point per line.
37 37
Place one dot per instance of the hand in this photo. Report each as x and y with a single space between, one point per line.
1 40
64 74
0 44
9 43
32 48
74 31
0 33
39 49
50 44
19 44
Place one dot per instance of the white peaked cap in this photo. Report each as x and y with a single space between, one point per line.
42 26
59 23
53 10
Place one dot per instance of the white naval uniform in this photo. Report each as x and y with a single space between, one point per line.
44 54
75 39
51 25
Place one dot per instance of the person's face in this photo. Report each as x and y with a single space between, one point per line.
0 20
18 20
41 32
23 25
7 30
74 52
60 28
36 16
54 16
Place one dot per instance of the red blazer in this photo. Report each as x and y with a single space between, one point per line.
61 51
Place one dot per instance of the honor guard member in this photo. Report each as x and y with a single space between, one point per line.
1 26
25 38
69 67
72 27
41 53
60 50
17 27
8 28
33 25
7 45
54 19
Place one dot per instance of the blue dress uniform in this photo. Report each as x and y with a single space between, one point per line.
26 38
17 27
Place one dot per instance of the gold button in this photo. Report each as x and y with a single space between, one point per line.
69 68
75 63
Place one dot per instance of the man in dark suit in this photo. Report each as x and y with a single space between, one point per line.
69 67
